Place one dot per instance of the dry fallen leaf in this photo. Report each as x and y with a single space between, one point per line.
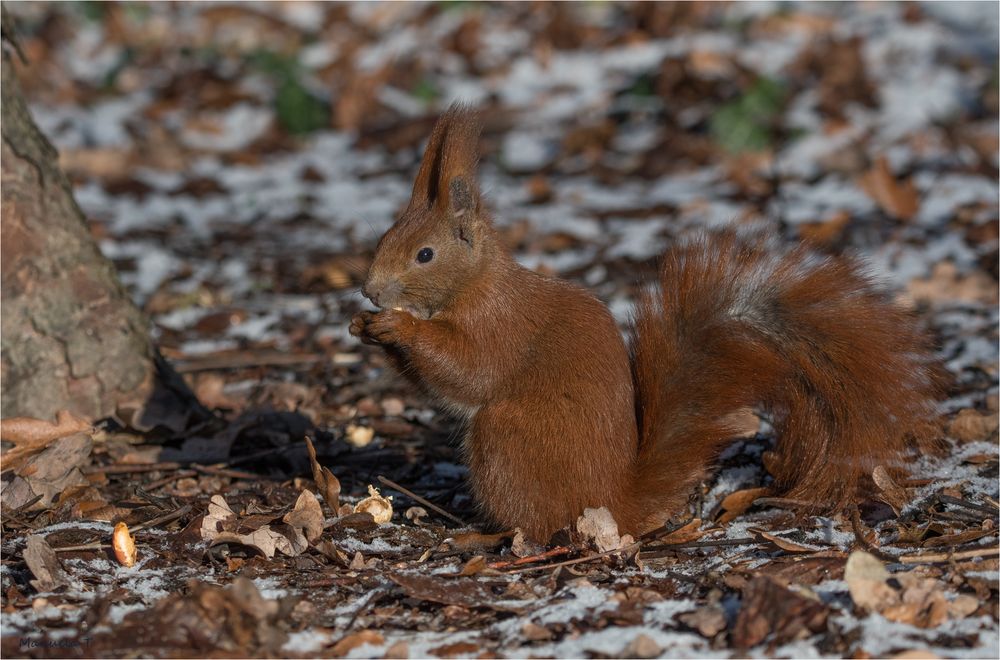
535 633
237 618
464 592
124 545
781 543
474 566
889 491
307 516
898 199
689 532
708 621
958 539
642 646
375 504
770 611
31 433
922 602
867 582
326 482
962 606
354 640
522 546
946 285
970 425
825 232
56 468
599 526
736 504
44 564
31 436
359 563
399 650
220 523
916 654
455 650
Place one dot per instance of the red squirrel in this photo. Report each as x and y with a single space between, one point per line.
561 414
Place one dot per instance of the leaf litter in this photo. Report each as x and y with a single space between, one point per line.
240 191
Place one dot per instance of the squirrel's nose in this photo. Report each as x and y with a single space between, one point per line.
370 292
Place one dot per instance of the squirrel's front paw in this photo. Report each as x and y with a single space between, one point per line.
385 327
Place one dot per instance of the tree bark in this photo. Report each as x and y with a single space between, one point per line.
70 337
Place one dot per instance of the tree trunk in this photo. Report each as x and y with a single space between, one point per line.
70 337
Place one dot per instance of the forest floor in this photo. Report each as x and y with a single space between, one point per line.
238 163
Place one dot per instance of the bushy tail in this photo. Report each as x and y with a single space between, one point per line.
843 372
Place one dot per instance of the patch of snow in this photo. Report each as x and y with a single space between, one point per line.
560 262
232 130
827 533
205 346
637 239
307 642
524 152
270 587
819 201
255 329
351 544
943 194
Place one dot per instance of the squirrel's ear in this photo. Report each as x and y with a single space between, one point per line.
463 207
447 176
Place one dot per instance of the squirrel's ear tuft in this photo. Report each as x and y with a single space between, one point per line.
447 176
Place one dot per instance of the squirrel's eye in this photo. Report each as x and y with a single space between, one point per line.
425 255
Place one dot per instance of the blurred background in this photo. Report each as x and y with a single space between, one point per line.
238 162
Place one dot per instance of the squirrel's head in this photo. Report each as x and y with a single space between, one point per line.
440 241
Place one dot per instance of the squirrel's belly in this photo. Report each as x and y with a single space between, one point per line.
538 471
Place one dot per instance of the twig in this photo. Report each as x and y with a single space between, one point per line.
96 545
548 554
373 597
962 515
14 515
430 505
183 474
578 560
859 535
221 471
162 519
162 503
29 503
128 468
783 503
259 454
702 544
665 529
933 557
947 499
245 361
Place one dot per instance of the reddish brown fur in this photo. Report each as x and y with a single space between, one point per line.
540 372
842 371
